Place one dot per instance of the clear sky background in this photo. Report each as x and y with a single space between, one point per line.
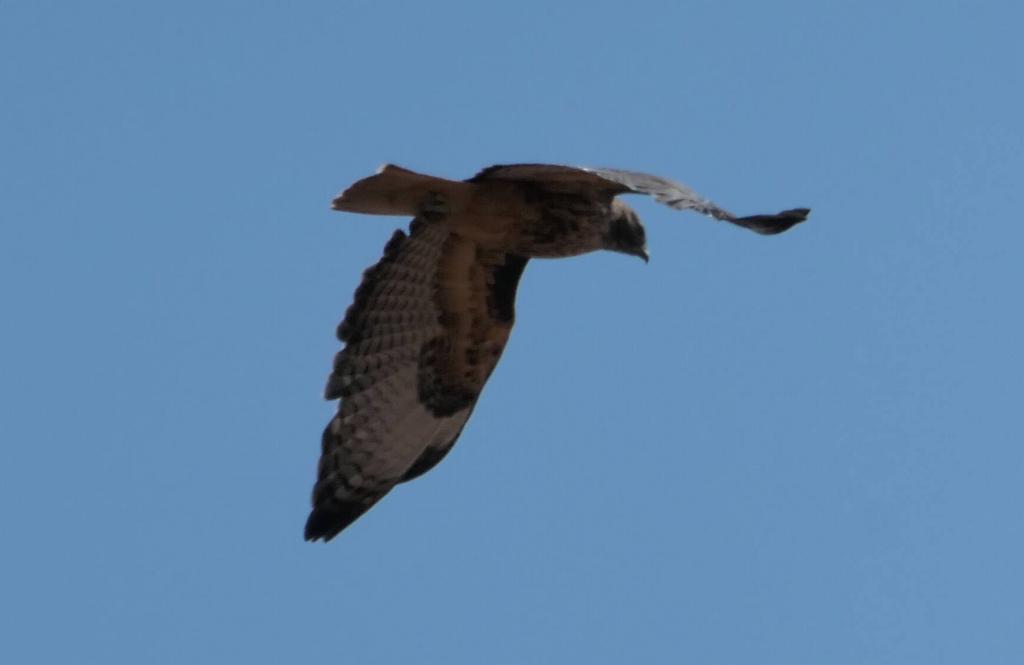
795 449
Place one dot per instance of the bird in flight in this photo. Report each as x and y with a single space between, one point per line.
430 320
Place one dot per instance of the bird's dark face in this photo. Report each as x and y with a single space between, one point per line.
625 232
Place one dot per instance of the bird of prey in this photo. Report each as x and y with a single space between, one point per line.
431 318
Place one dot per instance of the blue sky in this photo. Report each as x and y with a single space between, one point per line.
796 449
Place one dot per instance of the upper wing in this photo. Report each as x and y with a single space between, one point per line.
609 182
424 333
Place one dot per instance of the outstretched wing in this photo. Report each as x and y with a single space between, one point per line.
428 325
610 182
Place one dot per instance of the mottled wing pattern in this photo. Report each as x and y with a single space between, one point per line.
427 326
617 181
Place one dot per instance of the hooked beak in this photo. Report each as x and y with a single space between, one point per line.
644 255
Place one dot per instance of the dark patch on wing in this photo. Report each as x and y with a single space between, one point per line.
441 396
501 300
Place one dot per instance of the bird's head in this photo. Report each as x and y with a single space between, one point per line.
625 233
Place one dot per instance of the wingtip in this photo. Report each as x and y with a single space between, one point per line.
326 522
322 525
774 224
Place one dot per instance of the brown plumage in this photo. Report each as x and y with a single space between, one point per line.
430 320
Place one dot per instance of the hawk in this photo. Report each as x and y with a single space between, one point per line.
430 320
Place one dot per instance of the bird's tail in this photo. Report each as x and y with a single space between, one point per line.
397 191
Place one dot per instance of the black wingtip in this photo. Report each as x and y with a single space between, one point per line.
319 526
771 224
326 523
